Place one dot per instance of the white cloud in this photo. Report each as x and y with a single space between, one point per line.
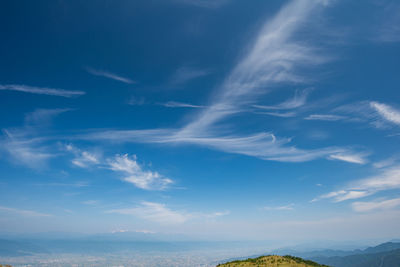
285 207
299 99
204 3
386 162
155 212
136 101
388 29
265 146
388 179
40 90
109 75
25 150
160 213
83 159
387 112
135 174
325 117
274 58
378 115
28 213
376 205
186 74
279 114
351 158
43 117
76 184
90 202
174 104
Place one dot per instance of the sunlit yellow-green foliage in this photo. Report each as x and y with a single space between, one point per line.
272 261
6 265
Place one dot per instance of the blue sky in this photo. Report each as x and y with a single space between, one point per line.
213 119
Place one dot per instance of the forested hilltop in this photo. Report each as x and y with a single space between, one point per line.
272 261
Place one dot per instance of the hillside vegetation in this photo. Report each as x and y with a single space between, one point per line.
272 261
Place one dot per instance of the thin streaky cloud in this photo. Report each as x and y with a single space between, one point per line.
376 205
325 117
156 212
77 184
387 30
23 145
43 117
387 162
137 101
387 112
387 179
40 90
24 150
274 58
162 214
174 104
22 212
265 146
378 115
109 75
204 3
90 202
285 207
185 74
351 158
298 100
279 114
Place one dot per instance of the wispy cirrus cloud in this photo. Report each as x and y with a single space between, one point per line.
204 3
274 58
160 213
299 99
40 90
22 212
109 75
378 115
90 202
387 112
25 150
155 212
376 205
23 145
387 179
174 104
387 29
325 117
185 74
351 158
279 114
265 146
43 117
135 174
76 184
285 207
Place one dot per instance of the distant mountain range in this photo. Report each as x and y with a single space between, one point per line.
384 255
